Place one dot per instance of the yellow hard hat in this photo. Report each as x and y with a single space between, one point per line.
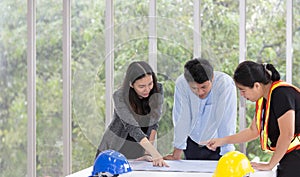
233 164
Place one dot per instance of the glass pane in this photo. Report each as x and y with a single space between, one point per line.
296 43
88 80
175 25
131 32
175 45
49 88
266 42
266 26
13 88
220 34
131 35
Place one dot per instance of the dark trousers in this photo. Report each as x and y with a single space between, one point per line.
195 152
289 165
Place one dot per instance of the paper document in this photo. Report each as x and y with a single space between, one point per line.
204 166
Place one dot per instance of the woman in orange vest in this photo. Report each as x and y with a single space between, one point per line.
276 121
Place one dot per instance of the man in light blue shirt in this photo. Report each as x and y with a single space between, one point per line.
205 107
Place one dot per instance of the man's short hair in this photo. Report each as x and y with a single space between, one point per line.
198 70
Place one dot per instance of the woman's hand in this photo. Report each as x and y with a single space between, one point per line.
157 159
261 166
214 143
159 162
146 157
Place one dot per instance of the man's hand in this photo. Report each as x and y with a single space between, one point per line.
169 157
176 155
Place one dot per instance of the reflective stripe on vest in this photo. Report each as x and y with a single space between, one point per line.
263 127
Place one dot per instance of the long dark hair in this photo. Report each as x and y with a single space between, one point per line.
249 72
137 70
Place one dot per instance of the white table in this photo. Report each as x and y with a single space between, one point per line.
186 168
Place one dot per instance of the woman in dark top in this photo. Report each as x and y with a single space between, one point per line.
277 117
137 110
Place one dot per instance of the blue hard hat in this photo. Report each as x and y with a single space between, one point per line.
110 161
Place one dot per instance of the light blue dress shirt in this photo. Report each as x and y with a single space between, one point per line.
203 119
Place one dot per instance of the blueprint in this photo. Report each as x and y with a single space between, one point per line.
204 166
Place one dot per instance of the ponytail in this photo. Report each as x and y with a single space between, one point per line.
273 73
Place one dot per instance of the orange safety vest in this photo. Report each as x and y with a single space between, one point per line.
263 127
